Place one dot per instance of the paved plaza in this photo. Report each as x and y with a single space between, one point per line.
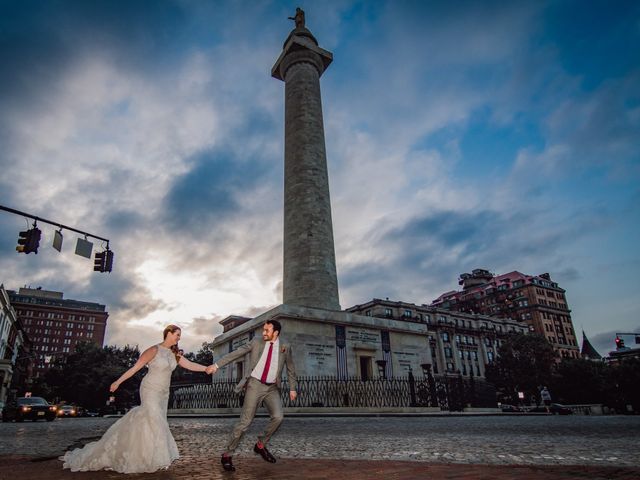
464 447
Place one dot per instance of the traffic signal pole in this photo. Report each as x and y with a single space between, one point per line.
59 225
29 240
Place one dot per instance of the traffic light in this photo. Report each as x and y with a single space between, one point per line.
108 261
103 261
29 241
619 343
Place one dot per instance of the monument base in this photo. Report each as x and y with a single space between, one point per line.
328 343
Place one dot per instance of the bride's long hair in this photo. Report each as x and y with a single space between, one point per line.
174 348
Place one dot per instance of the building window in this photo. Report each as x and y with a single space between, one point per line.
407 314
367 313
447 352
445 336
387 312
457 338
490 356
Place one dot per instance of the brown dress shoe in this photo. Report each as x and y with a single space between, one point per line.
264 453
227 464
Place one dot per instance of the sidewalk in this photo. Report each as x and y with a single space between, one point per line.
249 468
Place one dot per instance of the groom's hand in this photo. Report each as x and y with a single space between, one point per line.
293 395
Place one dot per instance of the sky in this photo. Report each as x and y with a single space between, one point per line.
460 135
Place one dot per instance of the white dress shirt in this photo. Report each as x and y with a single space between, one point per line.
273 366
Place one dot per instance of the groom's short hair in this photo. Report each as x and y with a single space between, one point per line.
276 325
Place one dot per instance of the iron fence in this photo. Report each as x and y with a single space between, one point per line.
450 393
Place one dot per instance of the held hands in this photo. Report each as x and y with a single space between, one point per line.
211 369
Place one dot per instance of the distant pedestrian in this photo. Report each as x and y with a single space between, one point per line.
545 396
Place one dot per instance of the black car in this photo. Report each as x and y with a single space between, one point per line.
554 408
510 408
30 408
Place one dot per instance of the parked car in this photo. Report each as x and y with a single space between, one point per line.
67 411
30 408
554 408
91 413
510 408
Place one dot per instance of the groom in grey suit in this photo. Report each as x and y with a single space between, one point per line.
267 357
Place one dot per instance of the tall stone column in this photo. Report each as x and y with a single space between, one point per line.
310 278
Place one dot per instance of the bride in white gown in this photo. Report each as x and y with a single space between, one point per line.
140 442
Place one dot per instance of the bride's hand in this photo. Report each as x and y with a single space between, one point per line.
114 386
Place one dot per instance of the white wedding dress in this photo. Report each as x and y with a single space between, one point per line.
140 442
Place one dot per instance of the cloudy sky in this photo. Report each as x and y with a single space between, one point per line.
460 135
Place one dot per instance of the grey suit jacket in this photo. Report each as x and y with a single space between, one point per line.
254 349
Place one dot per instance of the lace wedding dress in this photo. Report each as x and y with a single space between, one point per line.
141 440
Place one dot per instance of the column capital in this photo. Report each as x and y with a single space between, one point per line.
299 41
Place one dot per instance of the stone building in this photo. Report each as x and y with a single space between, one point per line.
458 342
55 325
13 345
380 338
532 300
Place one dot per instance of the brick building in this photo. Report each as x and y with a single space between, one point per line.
55 325
534 300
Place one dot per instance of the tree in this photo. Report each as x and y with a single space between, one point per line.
622 385
579 381
524 364
84 376
204 356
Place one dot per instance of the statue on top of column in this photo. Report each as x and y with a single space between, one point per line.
299 18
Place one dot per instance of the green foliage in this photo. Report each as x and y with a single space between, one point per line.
524 363
84 377
622 385
578 381
204 356
527 362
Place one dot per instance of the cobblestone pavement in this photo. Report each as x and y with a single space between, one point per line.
496 447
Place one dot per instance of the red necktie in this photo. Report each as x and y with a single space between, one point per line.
267 364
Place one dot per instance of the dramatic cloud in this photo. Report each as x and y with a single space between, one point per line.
459 135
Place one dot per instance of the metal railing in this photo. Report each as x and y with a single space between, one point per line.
450 393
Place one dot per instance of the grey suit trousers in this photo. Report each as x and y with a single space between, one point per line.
256 393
